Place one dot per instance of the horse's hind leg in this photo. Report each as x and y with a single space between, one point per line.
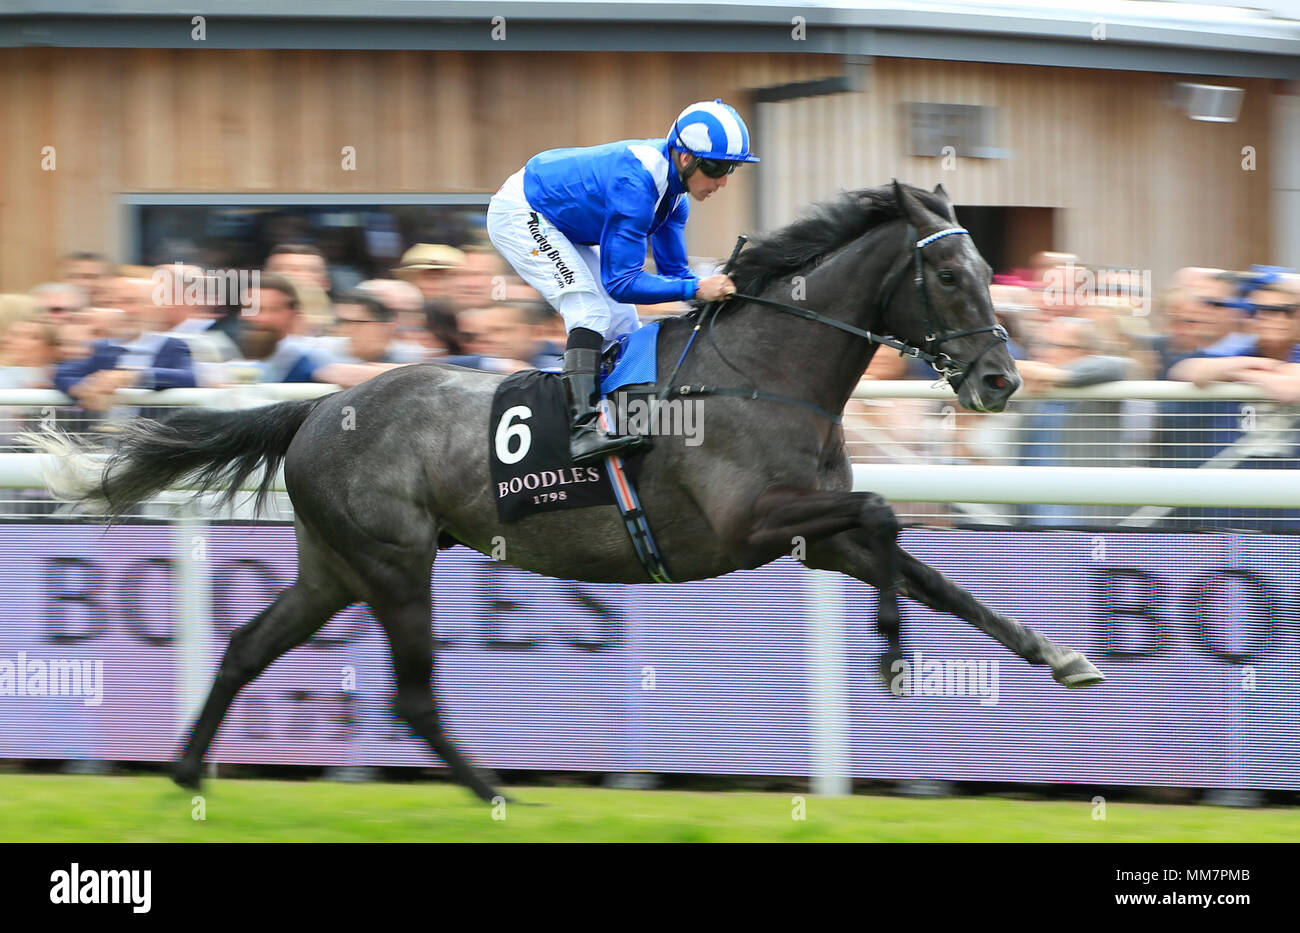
297 614
407 620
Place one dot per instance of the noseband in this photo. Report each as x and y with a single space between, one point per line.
948 368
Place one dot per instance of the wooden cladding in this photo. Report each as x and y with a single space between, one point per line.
1138 184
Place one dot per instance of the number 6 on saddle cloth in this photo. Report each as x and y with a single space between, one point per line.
531 469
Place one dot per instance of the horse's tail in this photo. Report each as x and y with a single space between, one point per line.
214 449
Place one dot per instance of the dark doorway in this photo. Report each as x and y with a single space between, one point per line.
1008 236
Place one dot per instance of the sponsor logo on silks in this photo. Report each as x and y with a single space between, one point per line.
87 886
33 677
951 677
563 274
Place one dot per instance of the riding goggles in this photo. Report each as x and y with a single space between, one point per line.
715 168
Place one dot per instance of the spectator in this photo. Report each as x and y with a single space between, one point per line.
73 340
1268 358
137 355
1200 320
469 329
26 359
57 301
1045 264
365 345
15 308
1260 435
413 336
473 282
90 272
432 268
508 338
193 323
519 290
1013 307
520 332
272 350
300 263
1189 326
304 266
441 329
1070 433
28 351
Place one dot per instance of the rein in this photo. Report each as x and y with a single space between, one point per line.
945 365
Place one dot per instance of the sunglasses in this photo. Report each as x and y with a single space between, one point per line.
1277 309
715 168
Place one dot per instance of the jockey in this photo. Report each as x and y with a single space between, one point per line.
575 224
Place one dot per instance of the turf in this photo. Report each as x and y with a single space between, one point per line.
59 808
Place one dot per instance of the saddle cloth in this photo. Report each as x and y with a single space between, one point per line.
528 451
528 436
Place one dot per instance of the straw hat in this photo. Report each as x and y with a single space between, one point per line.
429 256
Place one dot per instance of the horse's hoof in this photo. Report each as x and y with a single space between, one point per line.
187 778
1077 671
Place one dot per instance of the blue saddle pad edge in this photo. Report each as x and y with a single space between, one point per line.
638 359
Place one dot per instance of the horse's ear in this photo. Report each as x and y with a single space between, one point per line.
916 213
947 202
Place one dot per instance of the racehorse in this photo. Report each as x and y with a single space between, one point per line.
386 473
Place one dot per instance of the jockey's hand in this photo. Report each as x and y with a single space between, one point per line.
715 287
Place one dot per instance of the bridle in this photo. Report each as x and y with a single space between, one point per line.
943 364
950 371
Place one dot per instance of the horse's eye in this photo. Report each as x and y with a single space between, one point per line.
946 277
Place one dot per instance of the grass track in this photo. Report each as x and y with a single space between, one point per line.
65 808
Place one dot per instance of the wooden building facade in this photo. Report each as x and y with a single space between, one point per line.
1130 180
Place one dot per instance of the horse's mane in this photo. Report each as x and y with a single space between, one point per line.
823 229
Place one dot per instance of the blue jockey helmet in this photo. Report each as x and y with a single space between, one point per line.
712 130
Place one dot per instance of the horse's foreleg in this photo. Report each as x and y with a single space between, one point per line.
297 614
871 556
932 588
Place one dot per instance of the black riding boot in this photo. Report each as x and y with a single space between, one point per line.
588 442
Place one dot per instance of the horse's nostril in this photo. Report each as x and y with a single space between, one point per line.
997 381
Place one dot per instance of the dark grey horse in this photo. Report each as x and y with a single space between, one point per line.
384 474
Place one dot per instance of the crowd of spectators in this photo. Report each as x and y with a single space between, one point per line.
1073 326
97 329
